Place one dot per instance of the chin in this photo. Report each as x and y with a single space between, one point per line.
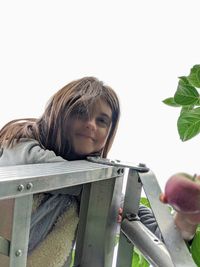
83 153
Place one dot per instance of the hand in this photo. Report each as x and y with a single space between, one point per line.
119 218
182 192
186 222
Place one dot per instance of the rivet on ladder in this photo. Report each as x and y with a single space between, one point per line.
18 253
20 187
120 171
29 186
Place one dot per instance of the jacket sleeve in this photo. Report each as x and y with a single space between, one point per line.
28 151
32 152
147 218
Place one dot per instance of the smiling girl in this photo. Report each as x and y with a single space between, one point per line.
80 120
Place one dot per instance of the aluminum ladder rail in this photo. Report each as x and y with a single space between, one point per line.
99 207
102 184
173 252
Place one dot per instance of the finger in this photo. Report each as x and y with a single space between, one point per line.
120 210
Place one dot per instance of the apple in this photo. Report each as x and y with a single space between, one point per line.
182 192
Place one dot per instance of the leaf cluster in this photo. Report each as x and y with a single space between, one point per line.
187 98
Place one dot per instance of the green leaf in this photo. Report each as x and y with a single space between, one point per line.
144 201
170 102
186 94
138 260
72 260
187 108
189 124
195 248
135 260
183 80
194 76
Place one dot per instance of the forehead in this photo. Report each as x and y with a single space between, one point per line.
101 106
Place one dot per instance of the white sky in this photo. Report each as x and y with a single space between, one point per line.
140 48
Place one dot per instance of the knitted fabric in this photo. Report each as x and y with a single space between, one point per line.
54 250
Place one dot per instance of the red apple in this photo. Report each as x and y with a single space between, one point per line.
182 192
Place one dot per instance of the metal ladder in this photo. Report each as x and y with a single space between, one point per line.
102 186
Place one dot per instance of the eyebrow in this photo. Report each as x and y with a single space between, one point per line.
106 115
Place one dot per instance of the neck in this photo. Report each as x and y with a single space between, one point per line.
74 156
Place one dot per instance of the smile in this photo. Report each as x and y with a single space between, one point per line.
86 136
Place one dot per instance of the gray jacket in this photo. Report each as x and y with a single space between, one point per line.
55 203
28 151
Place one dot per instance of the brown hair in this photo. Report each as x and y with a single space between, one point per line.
48 129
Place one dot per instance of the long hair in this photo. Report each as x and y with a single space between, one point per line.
48 129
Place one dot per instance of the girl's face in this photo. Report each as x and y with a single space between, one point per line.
89 132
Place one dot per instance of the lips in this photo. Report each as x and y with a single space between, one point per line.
87 136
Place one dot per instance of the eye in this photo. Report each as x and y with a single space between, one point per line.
103 121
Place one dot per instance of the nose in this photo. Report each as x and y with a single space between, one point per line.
91 124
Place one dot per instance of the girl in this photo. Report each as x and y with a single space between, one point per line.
81 119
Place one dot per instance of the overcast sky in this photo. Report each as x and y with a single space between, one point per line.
140 48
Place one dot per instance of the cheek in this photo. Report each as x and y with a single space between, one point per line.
69 133
103 136
72 127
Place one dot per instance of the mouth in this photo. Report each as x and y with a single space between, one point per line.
86 136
